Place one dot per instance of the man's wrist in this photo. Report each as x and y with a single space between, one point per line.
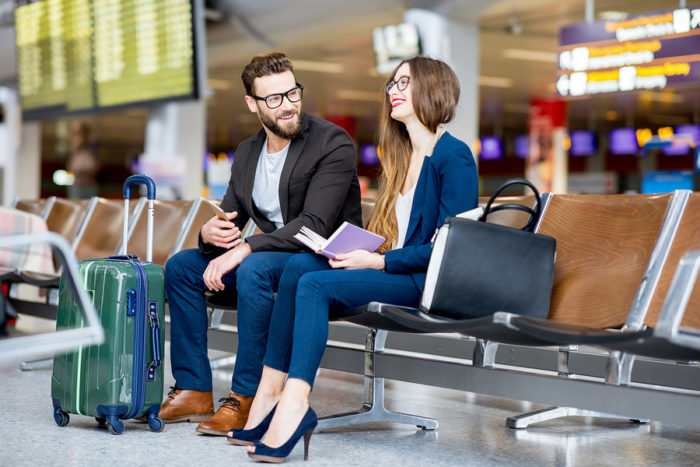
246 248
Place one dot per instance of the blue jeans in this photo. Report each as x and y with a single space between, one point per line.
256 280
307 294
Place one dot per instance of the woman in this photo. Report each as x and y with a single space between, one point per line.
427 175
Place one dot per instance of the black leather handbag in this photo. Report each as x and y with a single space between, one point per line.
477 268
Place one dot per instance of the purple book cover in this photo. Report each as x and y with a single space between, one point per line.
350 237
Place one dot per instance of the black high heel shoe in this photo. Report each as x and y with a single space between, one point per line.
241 437
278 455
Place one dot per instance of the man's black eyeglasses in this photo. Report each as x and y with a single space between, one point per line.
275 100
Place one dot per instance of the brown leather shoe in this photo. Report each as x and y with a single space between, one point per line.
184 405
233 413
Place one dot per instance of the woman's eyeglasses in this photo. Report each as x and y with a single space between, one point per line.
400 83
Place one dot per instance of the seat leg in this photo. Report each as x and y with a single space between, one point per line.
221 362
216 316
46 364
619 368
619 372
373 409
484 354
550 413
563 357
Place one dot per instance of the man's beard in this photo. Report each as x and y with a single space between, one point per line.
290 131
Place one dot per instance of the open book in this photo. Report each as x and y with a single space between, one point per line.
347 238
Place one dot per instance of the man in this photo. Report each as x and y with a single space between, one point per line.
297 171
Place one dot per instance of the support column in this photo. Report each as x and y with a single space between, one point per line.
456 43
10 149
28 166
174 147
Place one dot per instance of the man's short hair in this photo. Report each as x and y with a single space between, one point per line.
263 65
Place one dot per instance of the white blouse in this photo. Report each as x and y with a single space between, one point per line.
403 212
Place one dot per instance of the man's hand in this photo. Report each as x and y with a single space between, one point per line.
358 259
222 265
221 233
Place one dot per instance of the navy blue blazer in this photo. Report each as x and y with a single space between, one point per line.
447 185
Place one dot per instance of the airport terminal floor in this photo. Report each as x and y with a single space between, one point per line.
471 432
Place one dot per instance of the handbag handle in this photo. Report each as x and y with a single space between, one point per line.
533 212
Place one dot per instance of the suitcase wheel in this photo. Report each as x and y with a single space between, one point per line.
156 423
115 426
62 418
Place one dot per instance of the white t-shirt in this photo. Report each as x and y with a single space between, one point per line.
266 186
403 213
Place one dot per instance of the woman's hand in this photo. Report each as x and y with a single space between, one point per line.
358 259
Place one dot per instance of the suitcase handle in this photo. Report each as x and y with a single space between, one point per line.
139 179
155 340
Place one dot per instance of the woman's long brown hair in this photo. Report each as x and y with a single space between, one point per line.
435 92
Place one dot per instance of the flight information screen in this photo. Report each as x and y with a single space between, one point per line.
81 55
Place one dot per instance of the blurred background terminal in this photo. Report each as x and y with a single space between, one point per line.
580 96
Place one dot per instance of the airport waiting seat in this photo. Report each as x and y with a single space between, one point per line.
654 333
40 207
64 217
169 219
604 247
102 231
680 237
28 257
373 409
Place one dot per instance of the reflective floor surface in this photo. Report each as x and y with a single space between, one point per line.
472 432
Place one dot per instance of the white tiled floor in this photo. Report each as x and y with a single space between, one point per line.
472 432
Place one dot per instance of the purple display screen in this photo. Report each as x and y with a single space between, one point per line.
682 140
582 143
369 155
623 141
522 146
491 148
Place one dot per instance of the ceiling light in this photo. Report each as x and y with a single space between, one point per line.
495 81
322 67
535 55
353 95
612 15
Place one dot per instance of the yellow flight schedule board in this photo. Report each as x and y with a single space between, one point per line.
81 55
54 56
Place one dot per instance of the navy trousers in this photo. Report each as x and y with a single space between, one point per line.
256 279
308 290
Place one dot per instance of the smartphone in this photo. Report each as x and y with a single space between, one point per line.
219 212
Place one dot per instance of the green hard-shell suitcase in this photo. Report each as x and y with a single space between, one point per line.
122 378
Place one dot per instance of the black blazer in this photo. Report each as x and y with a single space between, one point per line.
318 187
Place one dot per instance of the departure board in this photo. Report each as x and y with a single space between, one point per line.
82 55
54 55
